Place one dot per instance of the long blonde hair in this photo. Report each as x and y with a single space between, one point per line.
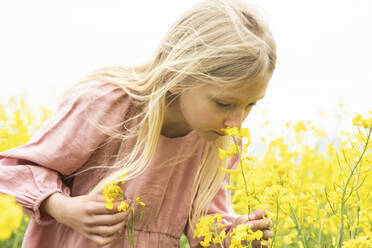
216 42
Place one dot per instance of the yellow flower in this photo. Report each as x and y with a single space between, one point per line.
237 132
227 153
300 126
359 121
122 179
227 171
359 242
10 216
222 234
138 200
229 187
123 206
257 235
231 131
112 192
206 229
218 217
109 203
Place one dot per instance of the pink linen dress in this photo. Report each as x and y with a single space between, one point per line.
69 143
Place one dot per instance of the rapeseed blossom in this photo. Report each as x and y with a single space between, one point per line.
112 192
227 153
207 228
358 120
301 184
237 132
304 187
10 216
18 121
241 233
317 197
364 241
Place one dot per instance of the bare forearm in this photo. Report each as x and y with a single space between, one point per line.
53 205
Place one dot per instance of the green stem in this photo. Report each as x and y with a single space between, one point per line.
320 230
241 166
276 224
219 239
132 229
298 227
340 235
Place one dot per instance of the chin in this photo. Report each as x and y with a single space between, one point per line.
210 136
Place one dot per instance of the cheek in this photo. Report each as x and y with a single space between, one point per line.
200 115
207 118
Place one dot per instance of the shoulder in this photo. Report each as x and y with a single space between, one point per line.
98 102
97 97
93 91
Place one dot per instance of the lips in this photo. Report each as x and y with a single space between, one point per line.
220 134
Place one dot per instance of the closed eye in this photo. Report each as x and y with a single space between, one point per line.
252 104
222 104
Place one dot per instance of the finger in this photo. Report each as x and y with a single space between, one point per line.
101 241
108 219
94 208
97 197
258 214
260 244
260 224
106 231
267 234
241 219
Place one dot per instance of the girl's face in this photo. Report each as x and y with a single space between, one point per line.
207 109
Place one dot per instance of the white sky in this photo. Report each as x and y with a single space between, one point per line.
324 50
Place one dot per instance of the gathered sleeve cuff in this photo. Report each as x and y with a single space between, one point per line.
221 204
30 185
64 143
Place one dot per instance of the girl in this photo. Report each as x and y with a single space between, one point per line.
160 125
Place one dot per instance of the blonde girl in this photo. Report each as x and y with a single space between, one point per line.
159 124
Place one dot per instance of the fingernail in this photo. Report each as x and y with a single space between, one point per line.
252 216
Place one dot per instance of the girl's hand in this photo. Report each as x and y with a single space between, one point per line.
87 215
257 222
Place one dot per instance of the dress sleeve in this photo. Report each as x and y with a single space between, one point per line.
221 204
32 172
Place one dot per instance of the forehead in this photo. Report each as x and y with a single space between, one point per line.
243 91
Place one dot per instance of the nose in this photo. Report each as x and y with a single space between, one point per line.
235 118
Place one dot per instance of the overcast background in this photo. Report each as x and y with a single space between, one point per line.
324 51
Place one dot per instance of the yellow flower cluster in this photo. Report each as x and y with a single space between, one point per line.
10 216
358 120
112 192
228 153
237 132
359 242
18 121
241 233
208 229
318 195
